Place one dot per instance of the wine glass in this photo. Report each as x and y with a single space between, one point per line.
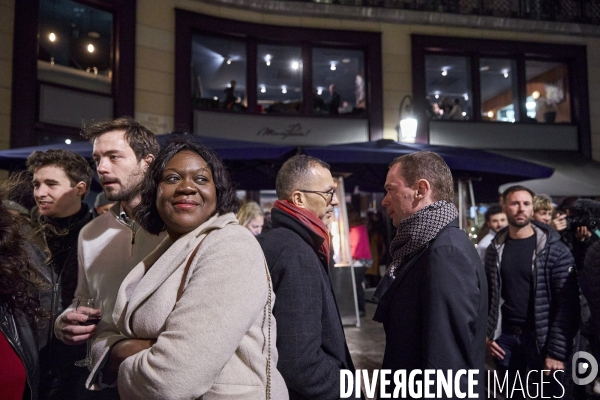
93 309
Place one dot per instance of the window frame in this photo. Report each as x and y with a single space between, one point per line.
25 124
573 56
188 23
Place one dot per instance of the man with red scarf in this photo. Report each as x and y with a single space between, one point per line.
435 310
310 338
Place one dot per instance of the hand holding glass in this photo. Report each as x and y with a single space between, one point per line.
92 308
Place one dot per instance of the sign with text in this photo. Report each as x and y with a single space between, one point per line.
287 130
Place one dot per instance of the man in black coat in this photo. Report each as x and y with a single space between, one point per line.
534 297
310 338
61 180
434 312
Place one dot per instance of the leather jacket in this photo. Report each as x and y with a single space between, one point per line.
22 337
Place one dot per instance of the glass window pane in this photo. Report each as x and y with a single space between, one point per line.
75 45
547 92
448 86
497 85
338 82
279 78
218 73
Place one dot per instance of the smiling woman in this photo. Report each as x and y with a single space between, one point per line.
194 318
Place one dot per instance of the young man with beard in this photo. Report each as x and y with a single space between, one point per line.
61 180
495 220
435 309
534 298
310 338
113 243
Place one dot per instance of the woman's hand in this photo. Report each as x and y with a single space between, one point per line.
121 351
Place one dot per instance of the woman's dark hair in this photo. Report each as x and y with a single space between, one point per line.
20 280
146 213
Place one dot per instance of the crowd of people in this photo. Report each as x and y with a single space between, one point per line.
190 298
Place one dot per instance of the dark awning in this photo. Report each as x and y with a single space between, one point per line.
574 174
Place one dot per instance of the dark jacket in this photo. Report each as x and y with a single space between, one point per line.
556 301
56 358
22 337
310 338
435 311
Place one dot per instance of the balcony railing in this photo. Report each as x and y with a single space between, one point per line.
572 11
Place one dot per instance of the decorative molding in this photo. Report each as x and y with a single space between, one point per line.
400 16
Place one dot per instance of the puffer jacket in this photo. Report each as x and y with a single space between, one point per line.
22 337
556 302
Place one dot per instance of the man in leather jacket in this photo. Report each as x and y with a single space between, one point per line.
61 180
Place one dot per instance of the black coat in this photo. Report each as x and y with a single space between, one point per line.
435 312
556 301
56 358
310 338
21 334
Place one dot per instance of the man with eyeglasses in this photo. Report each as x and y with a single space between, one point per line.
310 338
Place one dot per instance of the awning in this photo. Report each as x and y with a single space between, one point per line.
574 174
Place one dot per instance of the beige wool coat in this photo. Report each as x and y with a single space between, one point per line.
211 344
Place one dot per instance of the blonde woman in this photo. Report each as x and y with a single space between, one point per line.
252 217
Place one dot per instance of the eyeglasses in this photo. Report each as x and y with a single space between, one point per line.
328 194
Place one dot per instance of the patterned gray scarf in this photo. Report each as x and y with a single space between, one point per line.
418 229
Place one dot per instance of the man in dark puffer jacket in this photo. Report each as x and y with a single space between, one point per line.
533 294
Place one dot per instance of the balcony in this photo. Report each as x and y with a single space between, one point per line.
571 11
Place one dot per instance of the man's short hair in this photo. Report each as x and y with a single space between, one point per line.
542 202
140 139
431 167
294 175
493 210
516 188
75 166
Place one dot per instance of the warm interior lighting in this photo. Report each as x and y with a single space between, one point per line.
490 114
52 37
91 48
535 95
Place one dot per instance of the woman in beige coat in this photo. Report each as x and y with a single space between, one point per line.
194 317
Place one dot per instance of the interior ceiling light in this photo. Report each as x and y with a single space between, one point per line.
283 90
444 72
332 67
295 65
52 37
268 59
505 72
91 48
228 60
535 95
346 60
319 90
263 89
490 114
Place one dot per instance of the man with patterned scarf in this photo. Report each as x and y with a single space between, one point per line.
434 312
310 338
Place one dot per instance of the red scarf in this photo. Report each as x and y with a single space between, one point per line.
308 219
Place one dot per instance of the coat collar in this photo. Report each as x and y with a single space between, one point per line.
157 267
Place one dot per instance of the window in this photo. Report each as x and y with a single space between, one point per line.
75 45
497 85
338 82
448 86
279 78
219 73
547 92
